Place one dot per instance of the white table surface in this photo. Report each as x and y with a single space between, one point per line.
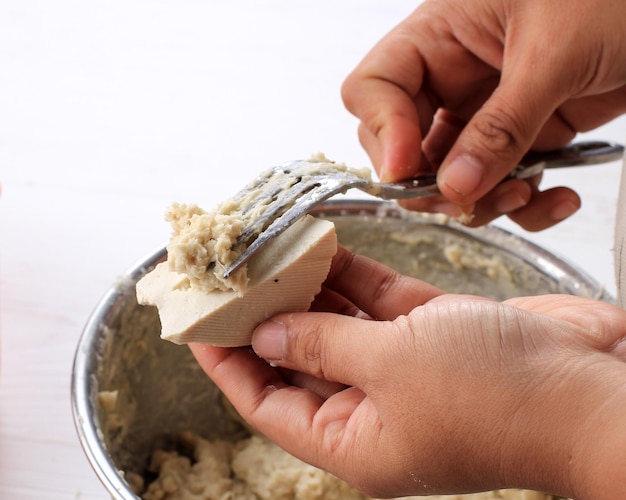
111 110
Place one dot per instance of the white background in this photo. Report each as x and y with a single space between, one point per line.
111 110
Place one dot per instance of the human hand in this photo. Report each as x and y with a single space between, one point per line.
407 390
479 83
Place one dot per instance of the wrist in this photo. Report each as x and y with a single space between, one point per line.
569 437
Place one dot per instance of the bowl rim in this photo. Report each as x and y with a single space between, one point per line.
84 385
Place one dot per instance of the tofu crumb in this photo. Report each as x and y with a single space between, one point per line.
256 469
203 244
107 400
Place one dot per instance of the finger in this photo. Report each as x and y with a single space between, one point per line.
295 418
330 301
246 364
546 209
383 92
375 288
246 380
504 199
323 433
371 145
437 204
390 130
602 323
497 136
241 375
323 345
322 388
376 152
556 133
532 209
442 135
589 112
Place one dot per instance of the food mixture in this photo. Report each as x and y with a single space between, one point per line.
203 244
256 469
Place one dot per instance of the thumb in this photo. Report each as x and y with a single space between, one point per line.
324 345
497 136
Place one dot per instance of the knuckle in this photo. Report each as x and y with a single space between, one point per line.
342 262
500 131
497 133
349 89
387 283
306 347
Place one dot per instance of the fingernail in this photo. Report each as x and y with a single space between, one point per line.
383 176
268 340
509 202
563 210
463 175
387 174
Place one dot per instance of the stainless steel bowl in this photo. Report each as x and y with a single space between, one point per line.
131 391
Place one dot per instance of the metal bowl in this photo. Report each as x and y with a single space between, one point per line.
131 391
